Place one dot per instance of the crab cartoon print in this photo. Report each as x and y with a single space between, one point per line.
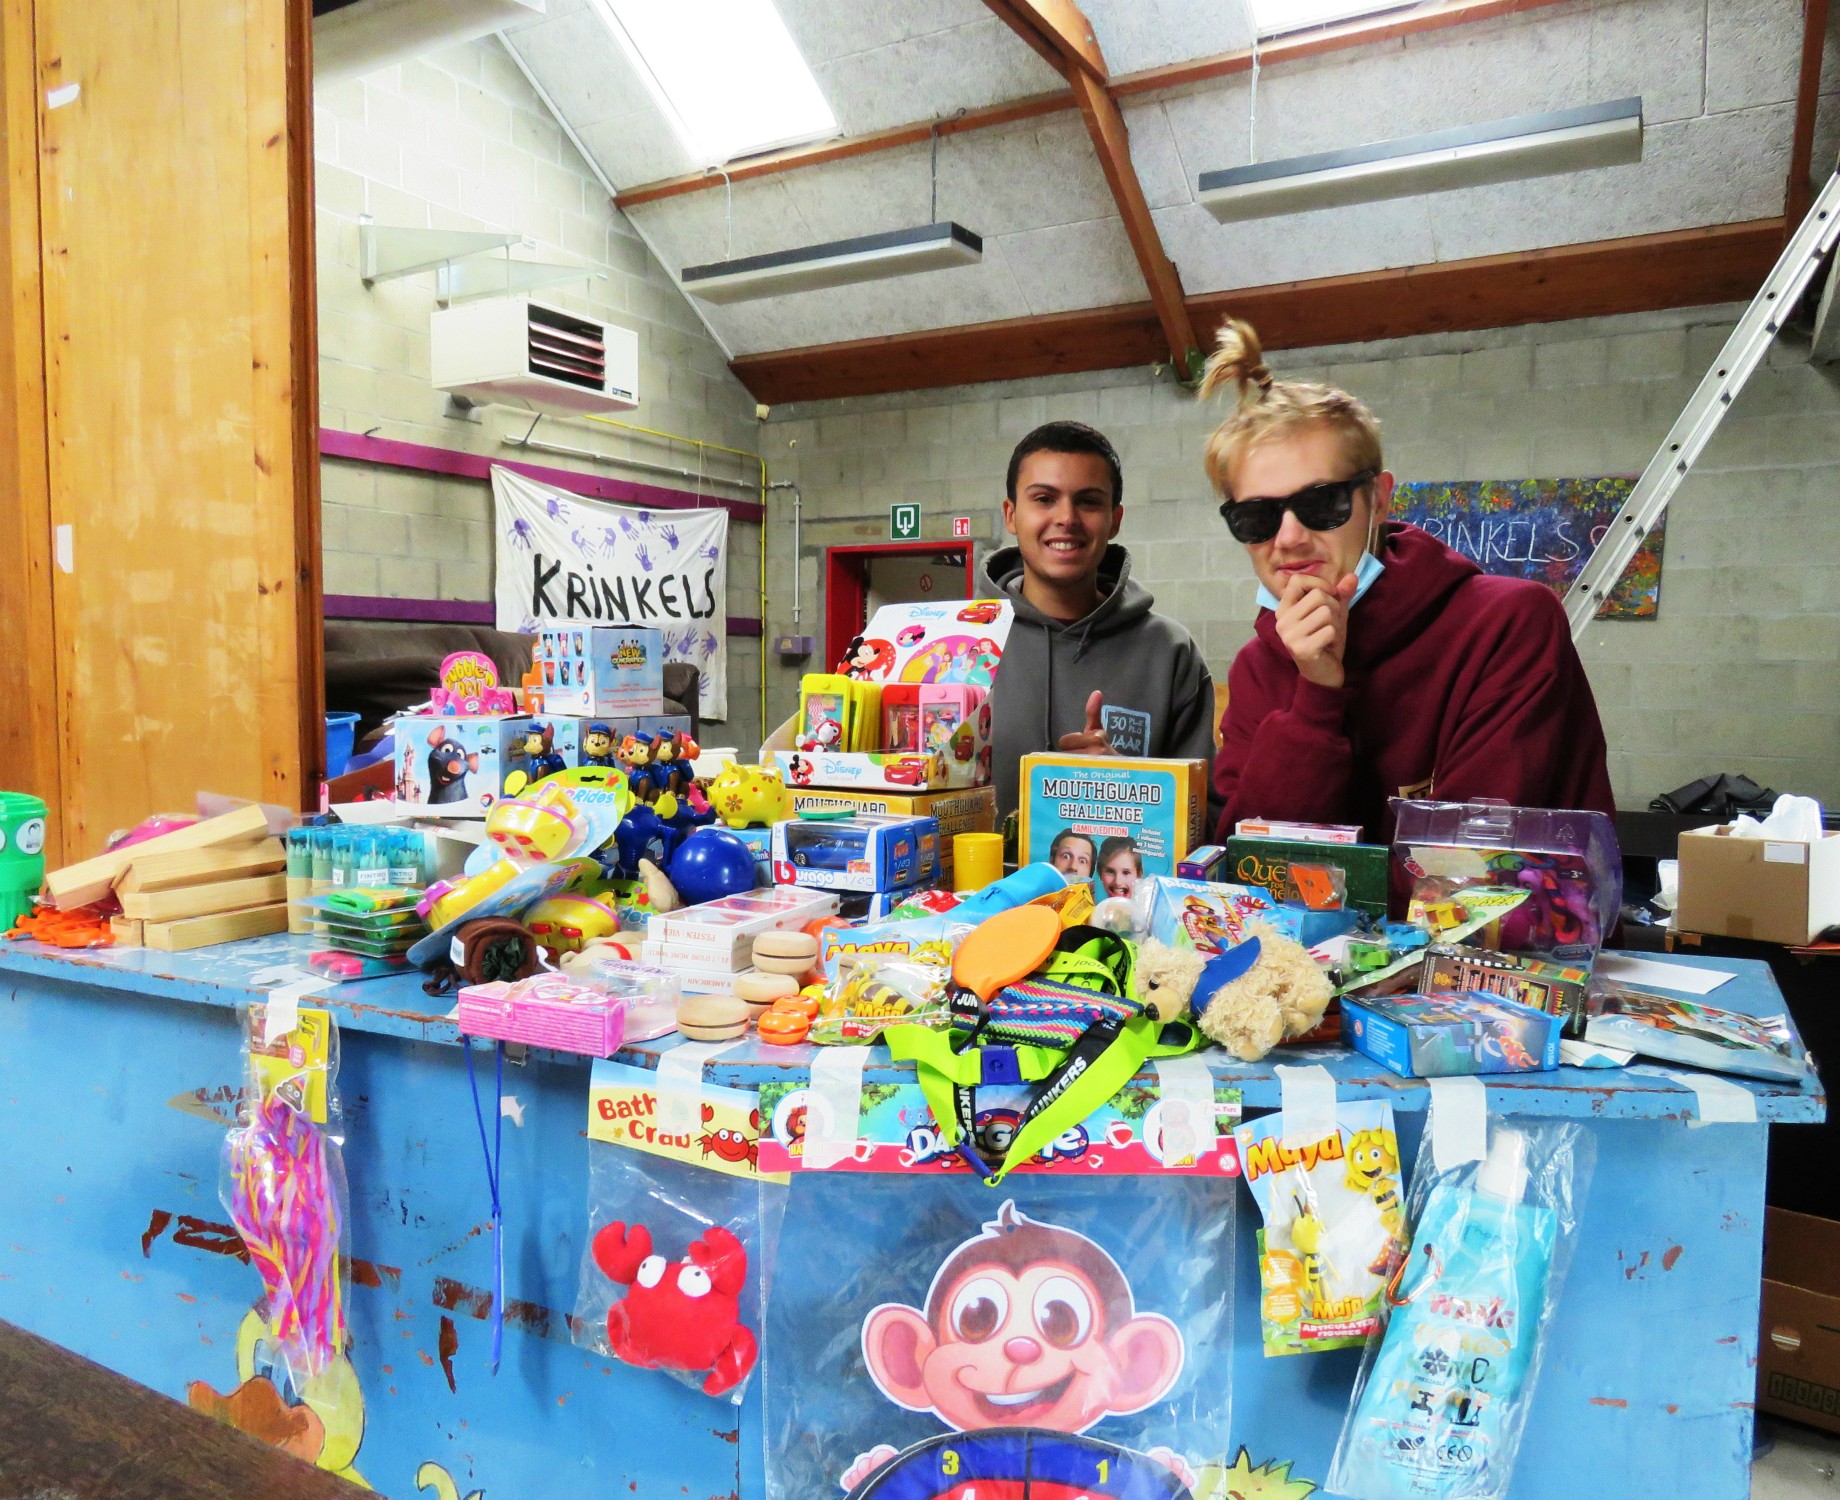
730 1145
684 1316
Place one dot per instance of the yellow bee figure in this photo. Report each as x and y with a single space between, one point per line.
1373 1170
1306 1240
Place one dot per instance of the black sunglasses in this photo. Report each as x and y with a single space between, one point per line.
1321 507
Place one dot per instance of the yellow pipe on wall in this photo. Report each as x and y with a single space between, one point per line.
677 437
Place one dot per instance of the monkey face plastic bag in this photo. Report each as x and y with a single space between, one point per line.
1066 1331
1332 1226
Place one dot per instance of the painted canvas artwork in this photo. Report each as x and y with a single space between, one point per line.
1543 529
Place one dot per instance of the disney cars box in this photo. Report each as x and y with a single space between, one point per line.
1438 1036
861 771
862 853
1115 818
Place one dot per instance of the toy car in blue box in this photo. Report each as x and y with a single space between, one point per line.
867 852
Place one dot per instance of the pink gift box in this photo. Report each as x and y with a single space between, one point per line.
546 1010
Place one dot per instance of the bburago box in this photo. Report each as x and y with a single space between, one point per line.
458 763
598 670
1438 1036
867 852
1137 1132
972 810
852 772
1109 819
1266 863
1557 989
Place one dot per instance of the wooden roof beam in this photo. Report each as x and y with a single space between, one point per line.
1060 32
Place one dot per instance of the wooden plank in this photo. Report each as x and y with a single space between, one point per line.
92 879
221 927
1031 107
161 872
73 1429
1123 85
1058 31
176 406
1105 124
127 932
30 759
204 900
1807 101
1683 269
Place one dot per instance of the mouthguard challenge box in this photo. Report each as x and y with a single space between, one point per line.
1159 805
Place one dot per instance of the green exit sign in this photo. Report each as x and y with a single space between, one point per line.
904 522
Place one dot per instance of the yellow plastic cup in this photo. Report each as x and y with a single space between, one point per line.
977 860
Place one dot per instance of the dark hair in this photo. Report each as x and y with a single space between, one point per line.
1067 437
1072 833
1120 845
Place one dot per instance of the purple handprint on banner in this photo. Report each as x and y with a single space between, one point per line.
669 533
553 507
709 644
585 541
626 525
609 538
523 534
645 558
710 553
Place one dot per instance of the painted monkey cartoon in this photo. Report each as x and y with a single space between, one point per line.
447 767
1028 1324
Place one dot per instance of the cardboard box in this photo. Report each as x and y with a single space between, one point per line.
1159 805
598 671
1770 890
455 764
718 936
1557 989
856 770
1266 863
1427 1036
973 810
1798 1346
868 852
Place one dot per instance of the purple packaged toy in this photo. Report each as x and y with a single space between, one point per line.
1567 859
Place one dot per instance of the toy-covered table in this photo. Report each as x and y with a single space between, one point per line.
118 1074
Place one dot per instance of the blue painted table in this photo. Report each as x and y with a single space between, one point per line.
118 1072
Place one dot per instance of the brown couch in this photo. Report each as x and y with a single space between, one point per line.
376 667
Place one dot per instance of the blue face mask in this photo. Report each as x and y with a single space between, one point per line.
1365 573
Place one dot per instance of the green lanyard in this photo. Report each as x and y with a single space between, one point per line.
1071 1085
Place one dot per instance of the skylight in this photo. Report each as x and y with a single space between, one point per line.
726 73
1275 17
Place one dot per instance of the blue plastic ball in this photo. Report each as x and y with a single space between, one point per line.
711 863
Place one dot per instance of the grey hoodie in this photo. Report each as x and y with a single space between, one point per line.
1159 697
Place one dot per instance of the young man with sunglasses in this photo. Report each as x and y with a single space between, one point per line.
1089 667
1384 664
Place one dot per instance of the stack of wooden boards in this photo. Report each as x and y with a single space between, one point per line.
213 882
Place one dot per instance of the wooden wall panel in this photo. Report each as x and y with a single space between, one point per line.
28 688
179 353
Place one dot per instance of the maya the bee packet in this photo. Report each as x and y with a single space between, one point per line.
1332 1232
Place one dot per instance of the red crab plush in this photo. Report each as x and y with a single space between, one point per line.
685 1316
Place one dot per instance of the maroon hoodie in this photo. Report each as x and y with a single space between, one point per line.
1457 686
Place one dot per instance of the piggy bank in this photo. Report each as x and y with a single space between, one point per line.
744 795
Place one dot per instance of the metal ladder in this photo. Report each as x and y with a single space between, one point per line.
1801 260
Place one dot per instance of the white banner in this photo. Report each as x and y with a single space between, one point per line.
561 557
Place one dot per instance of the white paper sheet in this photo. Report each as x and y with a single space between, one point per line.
1644 973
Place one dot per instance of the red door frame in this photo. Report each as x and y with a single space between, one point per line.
846 585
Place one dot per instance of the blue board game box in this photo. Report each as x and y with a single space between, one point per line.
1438 1036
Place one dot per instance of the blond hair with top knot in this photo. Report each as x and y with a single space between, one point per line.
1267 409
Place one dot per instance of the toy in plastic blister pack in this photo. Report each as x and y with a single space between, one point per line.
1332 1234
1443 1395
1567 861
1067 1336
671 1277
283 1185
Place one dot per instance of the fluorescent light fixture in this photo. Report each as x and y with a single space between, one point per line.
1566 140
871 257
726 73
1275 17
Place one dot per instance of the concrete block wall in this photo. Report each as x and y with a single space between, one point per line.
459 140
1741 672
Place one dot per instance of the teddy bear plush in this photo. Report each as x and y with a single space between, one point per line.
1260 992
1165 978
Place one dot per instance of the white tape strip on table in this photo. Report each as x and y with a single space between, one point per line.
1459 1121
1188 1130
1306 1094
1719 1100
836 1105
281 1005
680 1084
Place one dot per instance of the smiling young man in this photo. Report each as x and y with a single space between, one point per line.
1384 664
1089 667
